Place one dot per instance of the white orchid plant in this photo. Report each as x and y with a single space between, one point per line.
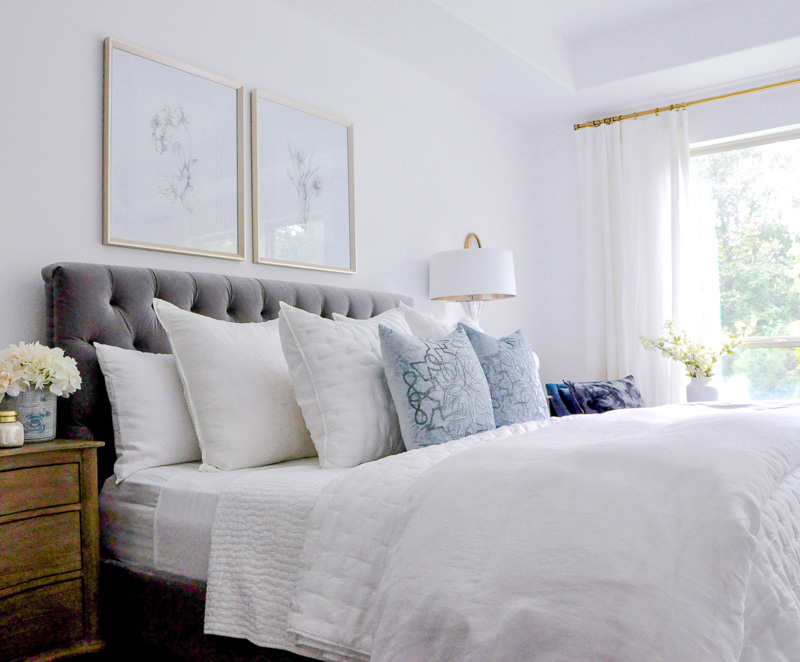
699 358
29 366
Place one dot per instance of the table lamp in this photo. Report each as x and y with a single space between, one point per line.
472 276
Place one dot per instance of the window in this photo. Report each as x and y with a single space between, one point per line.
749 190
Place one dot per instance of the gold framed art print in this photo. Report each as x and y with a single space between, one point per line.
173 162
302 171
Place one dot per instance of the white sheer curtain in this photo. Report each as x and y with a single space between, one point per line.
634 194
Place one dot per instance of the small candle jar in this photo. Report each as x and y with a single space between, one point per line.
12 434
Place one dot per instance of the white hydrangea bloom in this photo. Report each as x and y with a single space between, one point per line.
34 366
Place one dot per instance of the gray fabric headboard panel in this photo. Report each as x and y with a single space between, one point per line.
89 303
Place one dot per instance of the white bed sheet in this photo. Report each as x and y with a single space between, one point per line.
162 518
128 512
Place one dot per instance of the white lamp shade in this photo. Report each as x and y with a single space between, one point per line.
472 274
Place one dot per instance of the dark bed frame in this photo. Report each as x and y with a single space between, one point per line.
147 613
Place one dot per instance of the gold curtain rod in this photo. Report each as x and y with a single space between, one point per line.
681 106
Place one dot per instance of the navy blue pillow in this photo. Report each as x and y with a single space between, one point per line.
597 397
562 402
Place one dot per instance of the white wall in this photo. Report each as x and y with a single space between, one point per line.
430 165
556 319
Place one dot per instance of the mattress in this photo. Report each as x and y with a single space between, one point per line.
162 518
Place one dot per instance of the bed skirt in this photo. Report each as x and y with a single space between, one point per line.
147 613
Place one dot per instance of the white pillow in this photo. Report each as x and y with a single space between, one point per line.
423 325
389 315
341 386
426 325
238 390
151 421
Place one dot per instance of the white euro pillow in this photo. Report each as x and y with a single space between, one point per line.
391 314
426 325
423 325
152 427
238 390
341 386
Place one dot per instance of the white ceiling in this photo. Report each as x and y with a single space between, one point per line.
579 18
540 59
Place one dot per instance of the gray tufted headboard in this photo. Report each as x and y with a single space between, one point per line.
89 303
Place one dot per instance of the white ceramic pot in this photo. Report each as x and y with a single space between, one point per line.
36 410
700 389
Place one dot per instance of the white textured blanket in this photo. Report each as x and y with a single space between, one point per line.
258 534
663 534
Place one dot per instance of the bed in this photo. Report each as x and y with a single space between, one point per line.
143 608
671 533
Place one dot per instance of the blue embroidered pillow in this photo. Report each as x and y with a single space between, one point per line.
598 397
512 370
438 387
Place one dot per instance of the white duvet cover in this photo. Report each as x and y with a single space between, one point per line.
664 534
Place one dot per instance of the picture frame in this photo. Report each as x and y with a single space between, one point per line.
173 155
302 181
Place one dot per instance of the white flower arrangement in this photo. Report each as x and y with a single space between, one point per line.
699 358
33 366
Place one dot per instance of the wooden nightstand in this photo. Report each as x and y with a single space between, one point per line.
48 550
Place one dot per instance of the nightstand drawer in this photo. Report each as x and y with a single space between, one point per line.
39 547
41 619
39 487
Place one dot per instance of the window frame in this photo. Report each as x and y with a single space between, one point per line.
703 148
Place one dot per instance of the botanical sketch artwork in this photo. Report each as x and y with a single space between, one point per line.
171 137
306 179
302 186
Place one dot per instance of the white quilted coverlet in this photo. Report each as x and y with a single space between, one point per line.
349 533
645 542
